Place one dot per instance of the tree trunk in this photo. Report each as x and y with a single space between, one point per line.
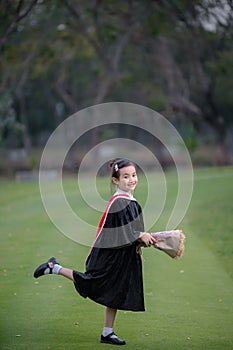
21 98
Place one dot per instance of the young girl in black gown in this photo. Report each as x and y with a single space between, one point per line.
113 275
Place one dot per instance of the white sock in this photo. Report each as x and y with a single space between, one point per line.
57 268
47 271
107 331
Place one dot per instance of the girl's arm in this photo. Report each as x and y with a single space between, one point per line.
147 239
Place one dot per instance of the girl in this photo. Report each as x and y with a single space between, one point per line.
113 274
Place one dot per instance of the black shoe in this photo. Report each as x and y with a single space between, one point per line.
40 271
109 340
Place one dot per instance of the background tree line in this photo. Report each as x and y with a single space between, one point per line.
174 56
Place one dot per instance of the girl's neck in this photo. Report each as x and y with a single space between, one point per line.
119 191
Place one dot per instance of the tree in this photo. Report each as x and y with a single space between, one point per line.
173 56
12 13
191 53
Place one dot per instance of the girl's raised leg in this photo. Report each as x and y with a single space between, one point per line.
68 273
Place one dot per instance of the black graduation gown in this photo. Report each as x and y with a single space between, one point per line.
113 274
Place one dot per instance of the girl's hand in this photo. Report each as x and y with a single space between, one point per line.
147 239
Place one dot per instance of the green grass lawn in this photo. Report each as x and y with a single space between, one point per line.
189 302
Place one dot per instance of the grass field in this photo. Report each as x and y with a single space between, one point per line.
189 302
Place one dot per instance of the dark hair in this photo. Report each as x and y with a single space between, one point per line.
117 164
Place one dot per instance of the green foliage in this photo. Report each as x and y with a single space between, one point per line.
66 54
224 85
10 129
33 162
7 112
188 134
157 102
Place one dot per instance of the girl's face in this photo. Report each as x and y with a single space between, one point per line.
128 179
